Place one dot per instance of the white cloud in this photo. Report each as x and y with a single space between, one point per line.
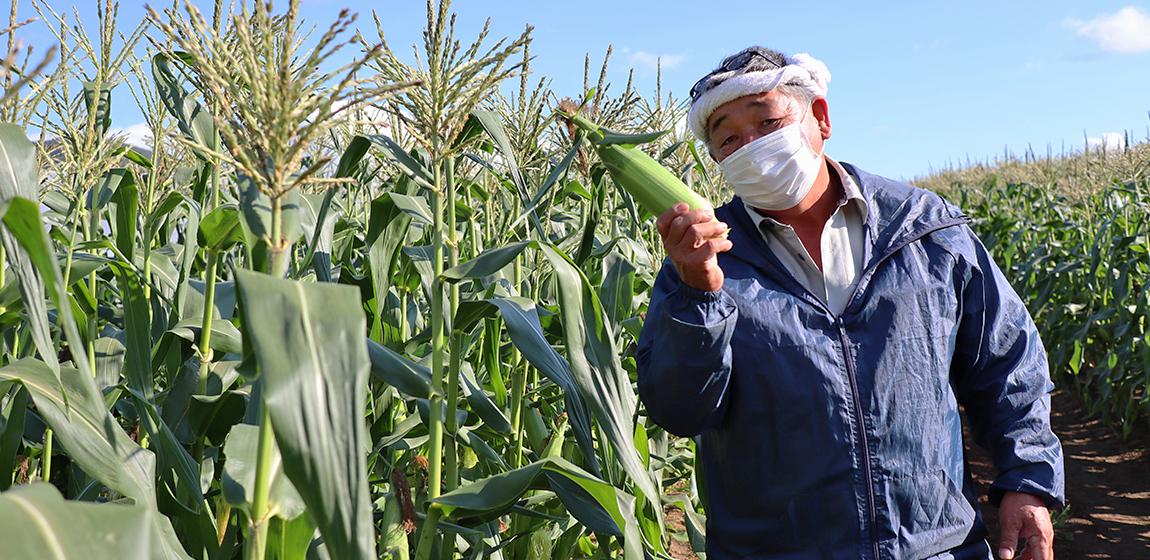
1113 141
138 135
1125 32
651 62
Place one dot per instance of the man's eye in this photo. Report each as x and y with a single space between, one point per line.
727 140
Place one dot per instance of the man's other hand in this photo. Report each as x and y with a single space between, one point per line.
692 239
1024 516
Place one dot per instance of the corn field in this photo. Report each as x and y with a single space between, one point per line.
1080 263
345 306
351 305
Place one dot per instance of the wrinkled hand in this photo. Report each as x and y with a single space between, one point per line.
691 239
1024 516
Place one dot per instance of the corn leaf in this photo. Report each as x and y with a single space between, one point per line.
87 430
386 231
127 199
36 522
220 229
239 477
179 268
481 404
487 263
194 121
308 341
596 367
617 291
405 375
95 441
19 179
101 194
493 126
12 434
598 505
256 208
98 99
394 153
352 155
522 320
290 538
223 304
594 212
318 222
225 336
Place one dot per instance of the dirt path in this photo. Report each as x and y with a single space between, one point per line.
1107 486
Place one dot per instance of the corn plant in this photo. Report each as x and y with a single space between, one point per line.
1080 263
288 330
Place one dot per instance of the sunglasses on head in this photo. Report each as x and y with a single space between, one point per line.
731 64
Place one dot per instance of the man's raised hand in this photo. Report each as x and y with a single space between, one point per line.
692 239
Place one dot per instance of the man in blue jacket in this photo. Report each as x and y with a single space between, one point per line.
822 349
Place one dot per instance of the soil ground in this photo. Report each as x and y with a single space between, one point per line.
1107 488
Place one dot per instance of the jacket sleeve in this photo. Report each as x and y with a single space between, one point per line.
1002 378
684 355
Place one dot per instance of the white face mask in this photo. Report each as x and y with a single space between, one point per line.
776 171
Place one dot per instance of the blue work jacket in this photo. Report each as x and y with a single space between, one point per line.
824 436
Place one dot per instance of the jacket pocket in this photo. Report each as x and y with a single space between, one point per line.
923 515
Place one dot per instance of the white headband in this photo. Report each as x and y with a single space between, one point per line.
802 69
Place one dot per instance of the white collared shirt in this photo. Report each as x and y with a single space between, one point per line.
841 244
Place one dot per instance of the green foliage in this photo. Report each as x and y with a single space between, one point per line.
308 340
1080 259
295 327
51 527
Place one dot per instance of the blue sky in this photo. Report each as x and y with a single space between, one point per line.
915 85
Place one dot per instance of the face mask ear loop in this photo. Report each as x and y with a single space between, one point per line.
819 154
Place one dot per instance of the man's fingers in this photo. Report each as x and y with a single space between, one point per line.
663 223
1025 516
692 239
678 223
708 248
700 233
1008 540
1040 547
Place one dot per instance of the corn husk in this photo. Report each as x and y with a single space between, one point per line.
653 186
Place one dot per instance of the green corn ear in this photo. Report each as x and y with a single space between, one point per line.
653 186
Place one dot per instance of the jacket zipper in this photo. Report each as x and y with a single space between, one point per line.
872 513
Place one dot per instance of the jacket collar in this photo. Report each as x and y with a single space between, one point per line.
900 209
897 215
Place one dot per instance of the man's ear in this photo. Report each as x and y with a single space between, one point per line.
821 113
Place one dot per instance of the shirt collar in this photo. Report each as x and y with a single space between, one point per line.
851 192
